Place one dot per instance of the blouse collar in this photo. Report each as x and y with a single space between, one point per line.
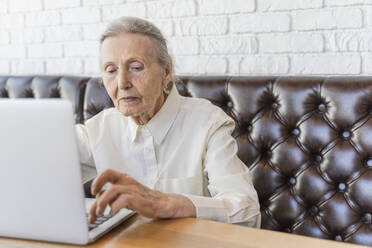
161 122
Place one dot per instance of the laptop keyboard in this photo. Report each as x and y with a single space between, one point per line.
101 219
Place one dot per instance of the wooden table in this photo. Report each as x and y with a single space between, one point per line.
142 232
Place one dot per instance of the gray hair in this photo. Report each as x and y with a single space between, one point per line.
140 26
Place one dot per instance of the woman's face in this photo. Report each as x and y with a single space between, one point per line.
132 75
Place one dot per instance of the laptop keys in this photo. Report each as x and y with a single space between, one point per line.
99 221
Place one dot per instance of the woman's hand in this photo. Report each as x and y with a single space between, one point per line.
126 192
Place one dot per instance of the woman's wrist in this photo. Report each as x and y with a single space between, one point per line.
181 206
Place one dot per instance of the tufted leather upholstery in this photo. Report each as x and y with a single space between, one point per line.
67 87
307 141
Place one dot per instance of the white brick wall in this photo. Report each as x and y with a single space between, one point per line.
43 18
58 4
214 37
4 37
36 66
201 26
171 8
260 23
45 50
264 65
275 5
25 5
207 7
326 64
328 19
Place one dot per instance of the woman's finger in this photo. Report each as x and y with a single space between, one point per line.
92 213
111 194
108 176
123 201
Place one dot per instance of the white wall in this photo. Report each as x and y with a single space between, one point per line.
246 37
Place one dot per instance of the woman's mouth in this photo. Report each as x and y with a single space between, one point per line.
128 99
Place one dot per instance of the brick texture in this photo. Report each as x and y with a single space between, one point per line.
114 11
205 37
264 65
58 4
207 7
291 42
166 9
46 50
12 52
326 64
36 66
25 5
4 67
4 37
202 26
64 66
328 19
260 23
275 5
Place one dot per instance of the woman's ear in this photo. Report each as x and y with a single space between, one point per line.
168 71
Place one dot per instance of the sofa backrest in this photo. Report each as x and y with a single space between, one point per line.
308 144
67 87
306 140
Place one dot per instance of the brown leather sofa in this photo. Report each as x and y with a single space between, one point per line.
306 140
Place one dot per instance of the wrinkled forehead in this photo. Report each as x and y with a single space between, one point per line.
126 46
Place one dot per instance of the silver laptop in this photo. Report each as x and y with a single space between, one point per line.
40 178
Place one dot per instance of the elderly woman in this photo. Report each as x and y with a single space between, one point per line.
163 155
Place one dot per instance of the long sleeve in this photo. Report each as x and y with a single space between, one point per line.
83 143
233 197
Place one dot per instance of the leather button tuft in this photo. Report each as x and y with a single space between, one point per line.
322 107
274 105
264 204
229 104
269 153
314 210
367 218
249 128
292 181
369 163
346 134
341 186
266 153
318 158
296 132
338 238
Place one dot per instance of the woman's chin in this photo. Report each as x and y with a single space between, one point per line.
127 112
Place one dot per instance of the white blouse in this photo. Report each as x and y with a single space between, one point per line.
186 148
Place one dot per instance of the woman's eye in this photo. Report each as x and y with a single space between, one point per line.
110 69
136 67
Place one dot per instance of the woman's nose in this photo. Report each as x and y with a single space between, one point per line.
124 80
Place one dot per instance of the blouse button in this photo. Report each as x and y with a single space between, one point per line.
229 104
